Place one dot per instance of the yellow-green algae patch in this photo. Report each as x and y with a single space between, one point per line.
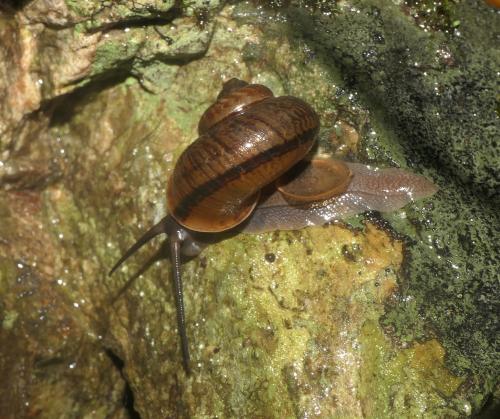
414 380
282 325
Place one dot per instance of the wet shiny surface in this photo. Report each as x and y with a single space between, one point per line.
345 320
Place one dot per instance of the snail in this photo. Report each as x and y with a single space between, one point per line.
248 172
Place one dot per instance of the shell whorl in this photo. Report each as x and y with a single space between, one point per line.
315 180
234 97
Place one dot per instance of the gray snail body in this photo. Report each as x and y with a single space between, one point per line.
247 173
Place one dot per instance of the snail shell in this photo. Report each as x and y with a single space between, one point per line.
249 138
234 96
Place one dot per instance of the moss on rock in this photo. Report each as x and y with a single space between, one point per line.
430 85
320 322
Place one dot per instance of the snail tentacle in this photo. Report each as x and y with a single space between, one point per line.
175 255
177 235
161 227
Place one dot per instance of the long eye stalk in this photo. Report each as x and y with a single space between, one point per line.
179 300
168 226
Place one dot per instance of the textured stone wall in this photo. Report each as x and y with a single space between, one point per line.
380 315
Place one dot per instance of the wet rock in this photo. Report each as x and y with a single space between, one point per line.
54 363
430 84
53 48
327 326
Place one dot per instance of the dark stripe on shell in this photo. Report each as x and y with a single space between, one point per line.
190 201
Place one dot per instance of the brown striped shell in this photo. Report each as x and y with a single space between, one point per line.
234 96
248 139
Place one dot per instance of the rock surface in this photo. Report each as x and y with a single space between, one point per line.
375 316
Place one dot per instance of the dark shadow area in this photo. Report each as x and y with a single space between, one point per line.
63 108
157 18
128 396
12 6
491 409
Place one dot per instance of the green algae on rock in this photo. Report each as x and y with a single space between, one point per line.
430 88
284 322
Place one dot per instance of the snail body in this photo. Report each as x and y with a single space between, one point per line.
369 189
237 176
